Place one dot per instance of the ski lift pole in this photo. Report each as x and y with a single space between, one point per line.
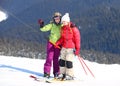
82 61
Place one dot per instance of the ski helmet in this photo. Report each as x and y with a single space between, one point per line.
57 14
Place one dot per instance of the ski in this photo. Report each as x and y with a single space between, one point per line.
52 80
63 81
40 79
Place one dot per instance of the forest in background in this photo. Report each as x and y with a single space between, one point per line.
97 20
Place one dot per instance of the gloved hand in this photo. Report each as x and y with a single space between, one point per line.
57 46
72 24
77 52
41 23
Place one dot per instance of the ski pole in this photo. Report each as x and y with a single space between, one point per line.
82 66
86 66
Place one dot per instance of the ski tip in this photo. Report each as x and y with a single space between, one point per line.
47 81
32 76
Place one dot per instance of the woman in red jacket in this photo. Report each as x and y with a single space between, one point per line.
70 41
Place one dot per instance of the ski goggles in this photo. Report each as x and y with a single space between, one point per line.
56 17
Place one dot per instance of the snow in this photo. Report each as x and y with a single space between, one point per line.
15 71
3 16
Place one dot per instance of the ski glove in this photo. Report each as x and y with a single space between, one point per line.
41 23
72 24
76 52
57 46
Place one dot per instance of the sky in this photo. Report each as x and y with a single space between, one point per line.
3 16
15 71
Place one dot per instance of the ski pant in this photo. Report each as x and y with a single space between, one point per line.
52 56
66 61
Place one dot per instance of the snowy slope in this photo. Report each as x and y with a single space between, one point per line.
15 72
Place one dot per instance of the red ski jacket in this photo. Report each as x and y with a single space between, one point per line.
70 38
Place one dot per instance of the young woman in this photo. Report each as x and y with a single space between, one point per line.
52 52
70 41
